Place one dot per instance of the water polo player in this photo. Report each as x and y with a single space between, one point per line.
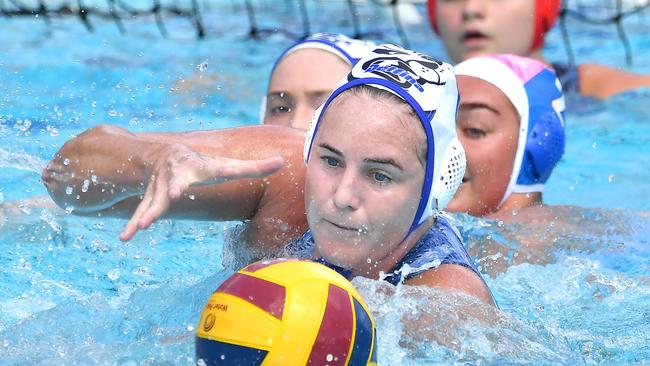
512 128
382 159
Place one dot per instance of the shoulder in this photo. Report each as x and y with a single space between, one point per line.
454 277
280 216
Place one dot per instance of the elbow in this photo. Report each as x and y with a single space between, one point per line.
56 181
64 173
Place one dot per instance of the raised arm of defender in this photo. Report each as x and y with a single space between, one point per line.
213 175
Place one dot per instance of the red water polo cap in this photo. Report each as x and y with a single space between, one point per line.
546 12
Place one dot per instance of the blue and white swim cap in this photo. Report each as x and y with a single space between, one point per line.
429 86
536 93
348 49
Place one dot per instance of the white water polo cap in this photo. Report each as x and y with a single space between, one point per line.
347 49
429 87
536 93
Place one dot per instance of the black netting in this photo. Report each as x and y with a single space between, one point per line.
596 12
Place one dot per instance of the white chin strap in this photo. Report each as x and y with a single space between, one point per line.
263 110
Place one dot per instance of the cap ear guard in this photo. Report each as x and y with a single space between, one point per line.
544 149
452 170
545 141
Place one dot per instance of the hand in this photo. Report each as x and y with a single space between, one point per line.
177 169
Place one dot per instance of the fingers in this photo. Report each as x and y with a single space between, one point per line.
178 184
154 204
209 170
131 227
176 178
270 165
159 205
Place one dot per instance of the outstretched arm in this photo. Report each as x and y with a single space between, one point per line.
111 171
602 81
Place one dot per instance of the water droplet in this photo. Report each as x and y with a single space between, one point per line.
23 125
594 145
368 260
93 178
611 178
94 104
66 161
84 187
202 66
329 357
68 190
69 209
53 131
514 213
112 113
190 328
192 197
25 209
113 274
223 357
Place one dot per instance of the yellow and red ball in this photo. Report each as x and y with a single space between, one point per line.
286 312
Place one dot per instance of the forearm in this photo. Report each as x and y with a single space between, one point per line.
107 169
603 81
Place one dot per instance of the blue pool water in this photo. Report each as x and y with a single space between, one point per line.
71 293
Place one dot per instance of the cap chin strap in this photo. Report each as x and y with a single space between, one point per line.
519 156
263 110
529 188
